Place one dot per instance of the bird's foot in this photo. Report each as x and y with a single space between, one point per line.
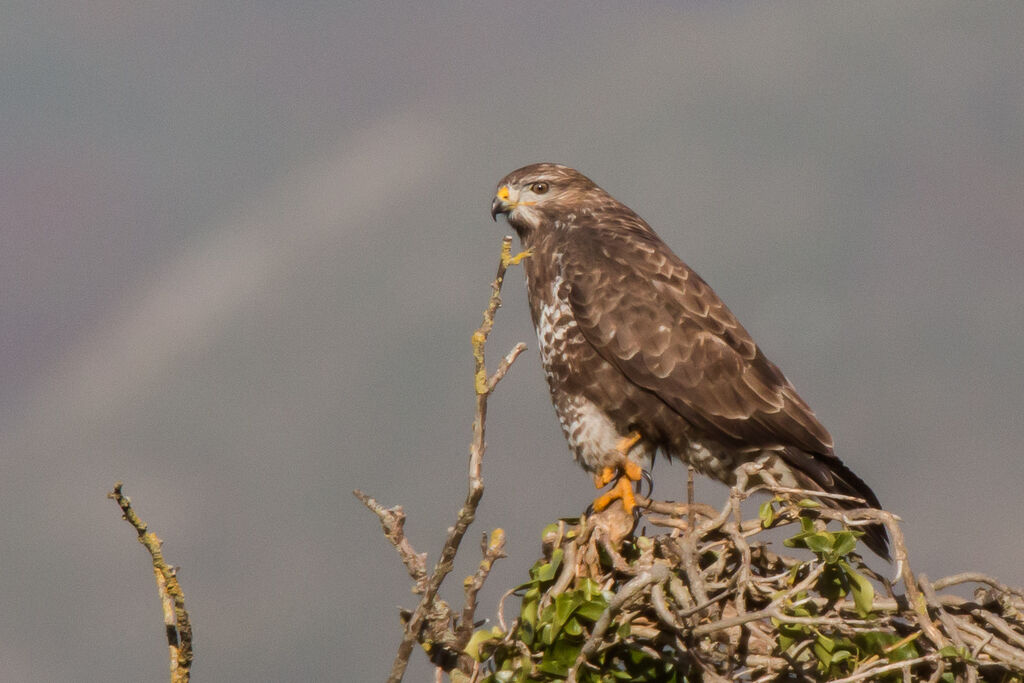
624 475
518 258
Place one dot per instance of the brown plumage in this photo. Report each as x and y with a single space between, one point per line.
634 342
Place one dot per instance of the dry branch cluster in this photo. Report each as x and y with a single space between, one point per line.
712 602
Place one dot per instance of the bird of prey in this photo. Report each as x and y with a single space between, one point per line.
642 356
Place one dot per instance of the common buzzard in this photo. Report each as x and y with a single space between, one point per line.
641 355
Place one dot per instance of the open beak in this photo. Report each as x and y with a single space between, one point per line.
500 203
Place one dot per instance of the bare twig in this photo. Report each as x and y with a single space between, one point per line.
492 550
392 520
905 665
172 600
430 621
976 577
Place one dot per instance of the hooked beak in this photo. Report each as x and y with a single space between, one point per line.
500 203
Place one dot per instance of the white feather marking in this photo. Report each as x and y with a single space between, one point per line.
591 433
555 326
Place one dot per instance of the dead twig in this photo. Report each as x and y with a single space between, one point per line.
172 600
492 550
430 622
392 520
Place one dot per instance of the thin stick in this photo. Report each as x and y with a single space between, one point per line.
691 517
172 600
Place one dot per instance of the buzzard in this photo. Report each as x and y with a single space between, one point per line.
642 356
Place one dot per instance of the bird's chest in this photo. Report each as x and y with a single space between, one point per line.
558 335
571 366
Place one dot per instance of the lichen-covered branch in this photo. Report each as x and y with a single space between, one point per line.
172 600
432 624
392 521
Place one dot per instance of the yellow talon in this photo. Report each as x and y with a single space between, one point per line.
604 477
626 471
517 259
632 471
623 489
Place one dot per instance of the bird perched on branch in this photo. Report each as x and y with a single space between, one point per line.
642 356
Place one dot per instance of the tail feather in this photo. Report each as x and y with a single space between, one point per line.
825 472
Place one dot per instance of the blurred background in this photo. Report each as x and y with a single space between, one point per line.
245 246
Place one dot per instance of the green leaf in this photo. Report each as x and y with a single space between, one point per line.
833 583
961 653
476 641
767 513
879 642
559 657
845 541
565 604
529 608
547 633
790 634
823 655
806 529
547 572
590 588
593 609
820 542
527 632
863 591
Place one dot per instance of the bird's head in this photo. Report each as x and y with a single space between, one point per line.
538 193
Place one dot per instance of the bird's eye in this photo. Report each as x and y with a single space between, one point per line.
539 188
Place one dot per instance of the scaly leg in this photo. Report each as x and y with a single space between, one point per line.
625 472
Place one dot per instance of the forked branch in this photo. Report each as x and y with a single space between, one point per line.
430 623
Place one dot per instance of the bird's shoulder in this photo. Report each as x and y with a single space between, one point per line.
622 272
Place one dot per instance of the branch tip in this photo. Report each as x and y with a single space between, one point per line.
172 599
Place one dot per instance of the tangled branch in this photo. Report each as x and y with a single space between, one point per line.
710 601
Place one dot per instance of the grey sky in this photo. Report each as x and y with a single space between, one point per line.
245 245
